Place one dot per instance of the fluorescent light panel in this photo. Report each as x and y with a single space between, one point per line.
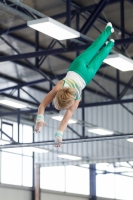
120 62
60 117
100 131
31 149
12 102
53 28
69 157
130 140
2 142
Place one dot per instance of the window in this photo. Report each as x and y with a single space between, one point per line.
16 163
114 181
11 168
27 171
52 178
77 180
65 178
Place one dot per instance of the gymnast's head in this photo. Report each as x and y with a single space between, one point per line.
64 98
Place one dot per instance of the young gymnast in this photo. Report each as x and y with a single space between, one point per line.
67 93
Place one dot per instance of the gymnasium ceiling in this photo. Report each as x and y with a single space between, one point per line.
107 80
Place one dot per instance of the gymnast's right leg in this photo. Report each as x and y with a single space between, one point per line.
92 50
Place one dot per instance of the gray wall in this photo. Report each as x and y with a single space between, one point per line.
8 192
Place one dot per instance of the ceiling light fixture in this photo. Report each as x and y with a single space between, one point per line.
69 157
130 140
100 131
60 117
53 28
12 102
120 62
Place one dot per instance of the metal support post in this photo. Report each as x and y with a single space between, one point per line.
122 18
68 17
37 182
33 170
36 47
77 28
68 9
18 117
83 113
122 21
93 182
50 90
118 83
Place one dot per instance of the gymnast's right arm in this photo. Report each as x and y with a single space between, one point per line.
46 101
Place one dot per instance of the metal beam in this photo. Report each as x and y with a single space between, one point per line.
55 51
109 78
24 84
112 102
31 104
29 84
7 135
126 87
32 44
57 16
12 29
130 1
124 41
20 82
92 18
70 141
100 19
80 106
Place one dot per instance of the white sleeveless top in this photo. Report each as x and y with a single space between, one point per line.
75 81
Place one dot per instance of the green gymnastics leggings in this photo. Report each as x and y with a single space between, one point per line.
88 63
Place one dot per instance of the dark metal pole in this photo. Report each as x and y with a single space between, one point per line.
50 90
122 22
68 18
122 18
18 116
93 182
36 47
83 113
77 28
68 9
33 170
118 83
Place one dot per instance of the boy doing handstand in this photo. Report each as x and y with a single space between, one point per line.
67 93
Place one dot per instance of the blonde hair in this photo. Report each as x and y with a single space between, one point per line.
64 98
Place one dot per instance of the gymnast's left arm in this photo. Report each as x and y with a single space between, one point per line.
64 122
